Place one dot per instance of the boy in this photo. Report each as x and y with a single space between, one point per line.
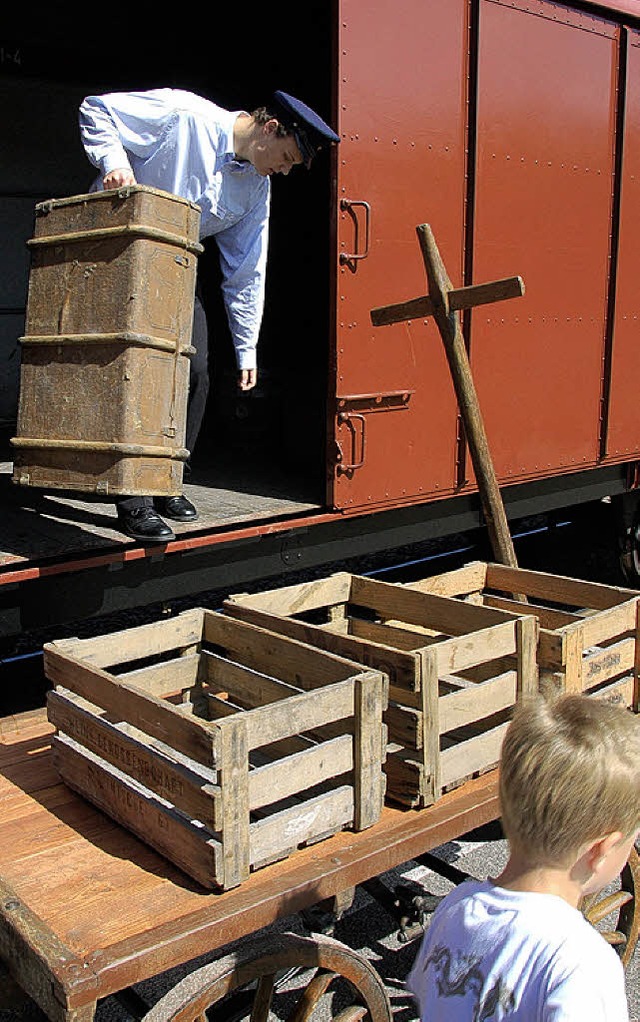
518 948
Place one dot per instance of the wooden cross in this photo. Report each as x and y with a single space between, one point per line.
443 302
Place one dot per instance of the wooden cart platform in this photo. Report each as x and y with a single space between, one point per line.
86 909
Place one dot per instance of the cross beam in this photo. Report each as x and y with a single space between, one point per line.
458 299
443 302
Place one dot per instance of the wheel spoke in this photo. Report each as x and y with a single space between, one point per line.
355 1013
311 995
263 998
623 905
613 903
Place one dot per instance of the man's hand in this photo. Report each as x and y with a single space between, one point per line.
119 178
247 379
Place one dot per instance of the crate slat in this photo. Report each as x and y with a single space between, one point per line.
142 709
175 675
244 685
306 596
299 713
602 626
279 835
315 763
460 708
462 652
474 755
556 588
183 787
433 612
548 618
391 634
150 818
136 643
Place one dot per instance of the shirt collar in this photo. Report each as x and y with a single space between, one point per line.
226 153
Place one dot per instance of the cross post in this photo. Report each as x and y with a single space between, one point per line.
443 302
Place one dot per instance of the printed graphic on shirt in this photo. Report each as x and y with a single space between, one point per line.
460 975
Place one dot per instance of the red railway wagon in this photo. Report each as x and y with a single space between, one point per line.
516 137
512 127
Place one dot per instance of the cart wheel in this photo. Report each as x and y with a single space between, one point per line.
617 913
250 979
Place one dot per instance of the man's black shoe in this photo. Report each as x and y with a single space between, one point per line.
145 524
178 508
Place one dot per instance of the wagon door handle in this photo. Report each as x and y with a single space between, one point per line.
347 205
350 419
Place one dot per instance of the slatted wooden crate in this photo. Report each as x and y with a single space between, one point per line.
450 695
588 631
223 746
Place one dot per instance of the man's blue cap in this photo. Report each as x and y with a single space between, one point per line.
307 127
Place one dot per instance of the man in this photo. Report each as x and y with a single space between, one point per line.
222 160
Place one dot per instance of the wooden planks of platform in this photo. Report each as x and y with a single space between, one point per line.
38 525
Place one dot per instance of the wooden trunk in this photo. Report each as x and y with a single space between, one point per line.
455 670
221 745
588 631
105 356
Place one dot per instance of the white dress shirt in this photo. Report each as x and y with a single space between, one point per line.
181 143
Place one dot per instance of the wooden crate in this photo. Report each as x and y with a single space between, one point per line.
588 631
223 746
450 695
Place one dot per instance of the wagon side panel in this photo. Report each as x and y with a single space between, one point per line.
402 83
623 437
544 184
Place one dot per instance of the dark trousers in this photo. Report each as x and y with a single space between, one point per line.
198 393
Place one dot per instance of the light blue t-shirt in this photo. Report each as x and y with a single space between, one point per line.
493 954
181 143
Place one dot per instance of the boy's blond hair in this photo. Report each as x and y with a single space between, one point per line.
569 773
